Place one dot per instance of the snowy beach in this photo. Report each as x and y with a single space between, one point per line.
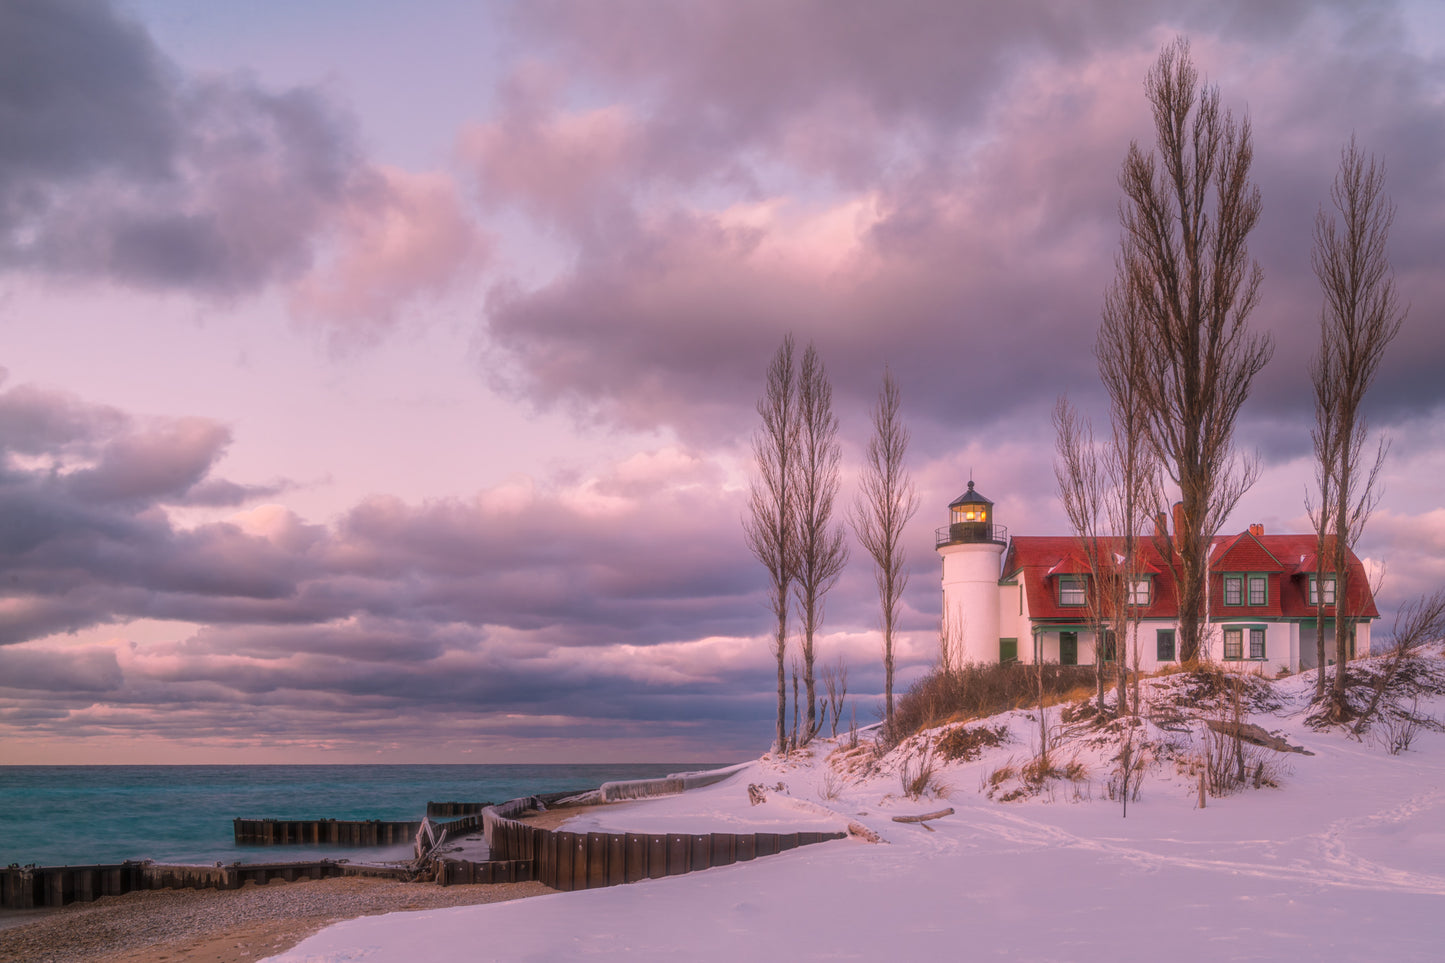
1344 859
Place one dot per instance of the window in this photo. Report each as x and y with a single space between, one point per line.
1071 590
1258 590
1164 650
1234 643
1068 648
1233 590
1108 645
1237 584
1008 650
1139 591
1329 589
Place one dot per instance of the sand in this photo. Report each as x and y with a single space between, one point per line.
214 926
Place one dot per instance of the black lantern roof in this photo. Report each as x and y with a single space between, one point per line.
969 497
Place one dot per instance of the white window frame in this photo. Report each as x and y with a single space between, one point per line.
1329 589
1068 586
1141 591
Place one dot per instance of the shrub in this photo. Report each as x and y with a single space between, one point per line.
1399 729
965 744
978 690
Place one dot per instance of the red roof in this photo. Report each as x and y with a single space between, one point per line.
1286 561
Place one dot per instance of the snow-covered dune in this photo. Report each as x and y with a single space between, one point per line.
1343 859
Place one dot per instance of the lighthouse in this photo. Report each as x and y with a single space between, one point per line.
972 546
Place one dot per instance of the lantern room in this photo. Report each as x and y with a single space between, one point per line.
970 519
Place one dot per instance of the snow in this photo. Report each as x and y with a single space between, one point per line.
1343 860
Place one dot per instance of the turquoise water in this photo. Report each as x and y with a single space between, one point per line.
78 815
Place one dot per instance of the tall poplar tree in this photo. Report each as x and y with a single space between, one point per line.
1188 208
887 500
1361 315
770 526
821 548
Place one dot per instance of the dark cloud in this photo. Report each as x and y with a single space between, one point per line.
119 166
85 671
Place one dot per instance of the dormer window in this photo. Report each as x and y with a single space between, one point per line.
1071 590
1139 591
1329 589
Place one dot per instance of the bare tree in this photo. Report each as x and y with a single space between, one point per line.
770 528
835 683
1083 489
887 500
822 550
1131 466
1188 208
1361 316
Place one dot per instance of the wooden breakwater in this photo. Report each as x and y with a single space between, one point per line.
519 851
31 887
316 832
343 832
443 809
572 861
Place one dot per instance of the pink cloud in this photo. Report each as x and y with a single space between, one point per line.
403 237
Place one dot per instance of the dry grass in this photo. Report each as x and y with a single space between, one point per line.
832 785
979 690
918 777
854 762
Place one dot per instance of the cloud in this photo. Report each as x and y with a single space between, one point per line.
932 186
121 167
405 233
90 670
838 176
623 595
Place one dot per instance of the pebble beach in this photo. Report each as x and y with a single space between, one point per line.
215 926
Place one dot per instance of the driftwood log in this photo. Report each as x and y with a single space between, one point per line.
924 818
1252 733
861 831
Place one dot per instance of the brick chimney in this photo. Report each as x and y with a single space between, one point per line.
1256 529
1178 517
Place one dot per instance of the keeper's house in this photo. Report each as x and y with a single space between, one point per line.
1027 598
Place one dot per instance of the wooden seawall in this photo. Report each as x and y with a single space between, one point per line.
571 861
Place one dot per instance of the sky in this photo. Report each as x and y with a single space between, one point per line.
378 381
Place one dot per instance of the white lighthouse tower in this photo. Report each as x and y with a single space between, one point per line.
972 548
